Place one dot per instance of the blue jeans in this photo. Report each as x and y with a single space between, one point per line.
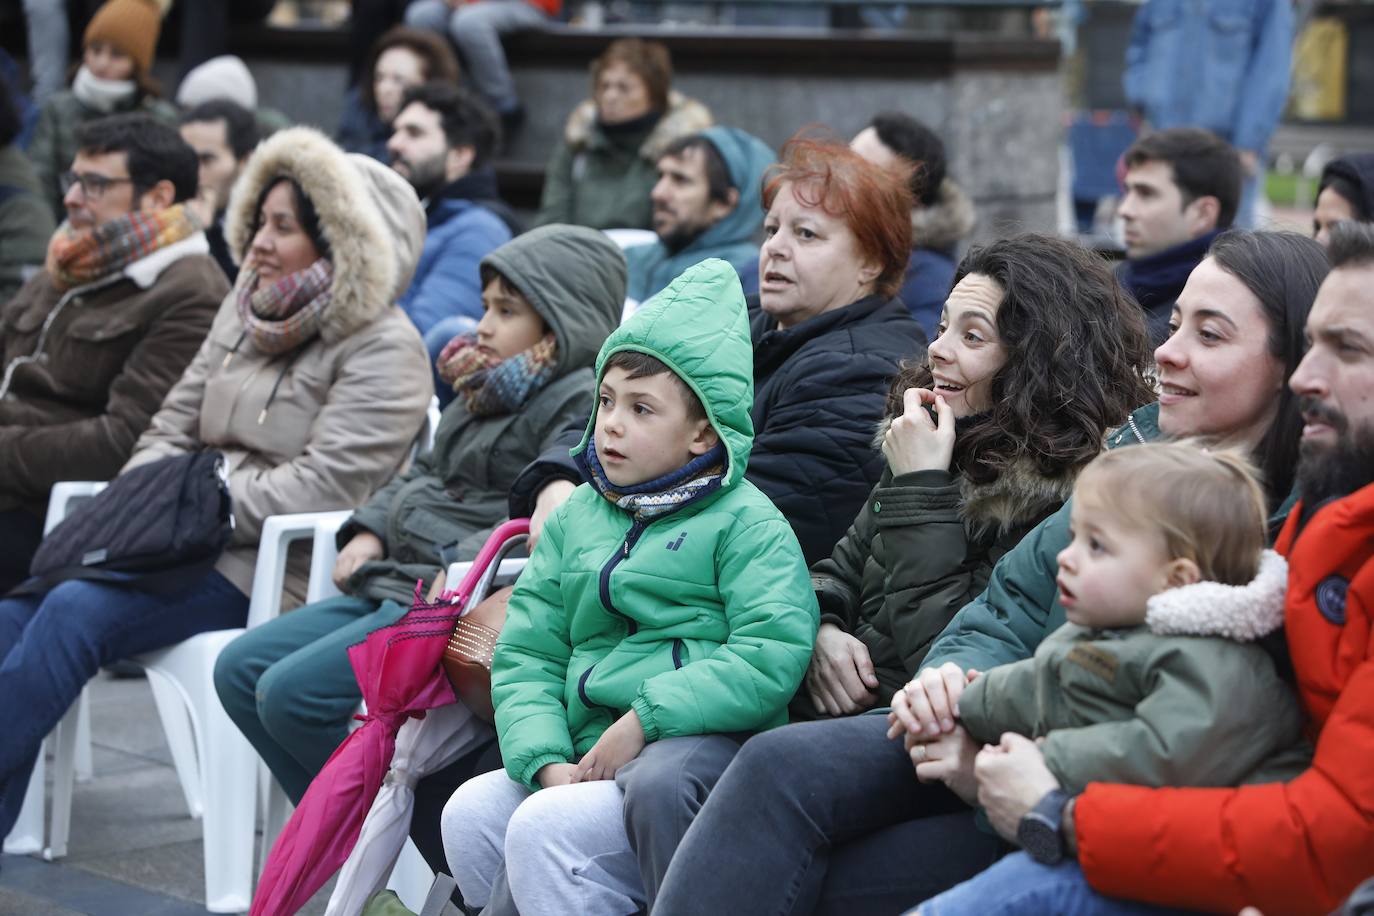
290 688
1020 885
52 644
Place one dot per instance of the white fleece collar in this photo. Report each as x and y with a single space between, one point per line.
145 271
1240 612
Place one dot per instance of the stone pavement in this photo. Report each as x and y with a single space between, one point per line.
134 849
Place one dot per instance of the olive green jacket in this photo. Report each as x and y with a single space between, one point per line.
603 179
442 508
1178 701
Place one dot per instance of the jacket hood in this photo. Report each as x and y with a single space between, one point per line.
368 213
684 116
1240 612
698 326
946 222
746 159
575 279
1359 171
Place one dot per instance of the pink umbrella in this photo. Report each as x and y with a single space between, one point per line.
398 668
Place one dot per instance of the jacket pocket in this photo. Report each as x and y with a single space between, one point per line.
92 349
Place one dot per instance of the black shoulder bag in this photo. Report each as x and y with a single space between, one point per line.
155 527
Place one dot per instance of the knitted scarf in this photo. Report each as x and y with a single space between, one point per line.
77 258
491 385
697 478
285 314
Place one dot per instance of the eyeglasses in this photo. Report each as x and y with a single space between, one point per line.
92 186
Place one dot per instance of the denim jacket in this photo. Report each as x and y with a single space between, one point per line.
1218 64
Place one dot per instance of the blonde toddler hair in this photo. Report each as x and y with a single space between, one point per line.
1208 504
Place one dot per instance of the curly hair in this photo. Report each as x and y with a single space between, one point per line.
1078 359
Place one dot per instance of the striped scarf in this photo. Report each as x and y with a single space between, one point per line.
699 477
282 316
491 385
77 258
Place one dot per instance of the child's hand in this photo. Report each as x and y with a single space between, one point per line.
362 548
557 774
617 746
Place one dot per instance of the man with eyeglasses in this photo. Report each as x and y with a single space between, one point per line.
92 343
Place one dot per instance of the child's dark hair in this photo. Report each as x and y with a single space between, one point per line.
642 365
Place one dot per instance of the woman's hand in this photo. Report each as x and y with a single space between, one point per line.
948 758
362 548
915 442
556 774
554 494
1012 778
617 746
927 705
840 678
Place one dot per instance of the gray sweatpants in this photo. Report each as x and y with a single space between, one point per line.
564 850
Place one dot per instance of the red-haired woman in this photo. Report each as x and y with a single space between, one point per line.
601 173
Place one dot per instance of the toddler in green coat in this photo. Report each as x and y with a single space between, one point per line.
667 598
1157 679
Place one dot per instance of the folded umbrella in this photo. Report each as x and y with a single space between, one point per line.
398 669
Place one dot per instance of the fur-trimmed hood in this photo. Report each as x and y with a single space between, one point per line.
369 214
1019 495
1240 612
684 116
946 222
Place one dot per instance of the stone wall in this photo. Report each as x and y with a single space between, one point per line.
995 101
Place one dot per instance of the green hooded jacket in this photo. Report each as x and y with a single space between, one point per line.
442 508
26 223
1020 605
733 238
701 619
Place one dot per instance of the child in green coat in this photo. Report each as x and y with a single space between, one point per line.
1157 679
667 599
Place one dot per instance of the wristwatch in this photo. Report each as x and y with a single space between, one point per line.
1040 833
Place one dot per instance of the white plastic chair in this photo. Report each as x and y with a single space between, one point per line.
222 791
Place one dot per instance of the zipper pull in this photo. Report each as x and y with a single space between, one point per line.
626 551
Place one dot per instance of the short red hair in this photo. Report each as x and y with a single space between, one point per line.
874 202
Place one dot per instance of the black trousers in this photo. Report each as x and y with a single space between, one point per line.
823 817
20 534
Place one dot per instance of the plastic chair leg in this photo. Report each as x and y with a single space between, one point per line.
176 726
26 836
84 765
227 773
63 782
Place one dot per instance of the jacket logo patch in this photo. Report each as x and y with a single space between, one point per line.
1098 661
1331 598
674 545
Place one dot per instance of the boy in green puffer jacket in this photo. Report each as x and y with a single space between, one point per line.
667 598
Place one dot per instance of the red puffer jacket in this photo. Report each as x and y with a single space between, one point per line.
1297 847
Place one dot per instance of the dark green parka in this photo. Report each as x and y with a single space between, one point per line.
441 509
922 546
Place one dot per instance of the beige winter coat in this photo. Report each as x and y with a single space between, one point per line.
349 403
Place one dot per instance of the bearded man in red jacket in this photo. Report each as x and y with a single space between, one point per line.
1295 847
